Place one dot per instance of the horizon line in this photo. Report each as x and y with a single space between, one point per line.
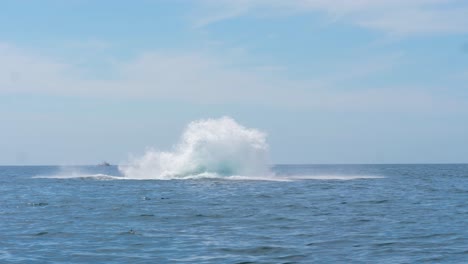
274 164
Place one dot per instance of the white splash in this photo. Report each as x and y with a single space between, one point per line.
208 148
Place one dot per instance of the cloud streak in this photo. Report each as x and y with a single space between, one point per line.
205 79
394 17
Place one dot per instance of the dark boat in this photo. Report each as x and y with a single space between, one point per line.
105 164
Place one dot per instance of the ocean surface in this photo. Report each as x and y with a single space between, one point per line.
304 214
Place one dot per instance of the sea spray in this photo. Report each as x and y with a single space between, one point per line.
208 148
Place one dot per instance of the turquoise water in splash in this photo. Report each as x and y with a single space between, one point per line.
309 214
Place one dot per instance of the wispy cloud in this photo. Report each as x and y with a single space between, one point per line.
222 10
395 17
203 78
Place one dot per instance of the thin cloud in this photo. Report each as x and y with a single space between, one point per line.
201 78
394 17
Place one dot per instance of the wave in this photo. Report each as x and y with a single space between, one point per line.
213 176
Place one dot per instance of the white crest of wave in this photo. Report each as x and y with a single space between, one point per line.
97 176
210 147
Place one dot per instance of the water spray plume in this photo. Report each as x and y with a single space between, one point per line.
208 148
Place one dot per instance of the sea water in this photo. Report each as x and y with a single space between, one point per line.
299 214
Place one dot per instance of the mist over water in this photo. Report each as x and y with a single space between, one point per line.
208 148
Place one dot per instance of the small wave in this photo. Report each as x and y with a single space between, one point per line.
214 176
81 176
290 178
335 177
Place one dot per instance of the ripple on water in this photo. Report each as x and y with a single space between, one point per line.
417 218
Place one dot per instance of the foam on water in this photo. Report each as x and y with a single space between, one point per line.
269 177
334 177
97 176
78 172
208 148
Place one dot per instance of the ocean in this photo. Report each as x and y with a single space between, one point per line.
298 214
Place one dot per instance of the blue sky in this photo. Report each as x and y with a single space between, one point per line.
369 81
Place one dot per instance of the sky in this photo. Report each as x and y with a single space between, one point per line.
345 81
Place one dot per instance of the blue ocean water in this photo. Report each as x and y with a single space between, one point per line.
313 214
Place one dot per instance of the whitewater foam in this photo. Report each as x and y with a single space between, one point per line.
97 176
208 148
214 176
334 177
